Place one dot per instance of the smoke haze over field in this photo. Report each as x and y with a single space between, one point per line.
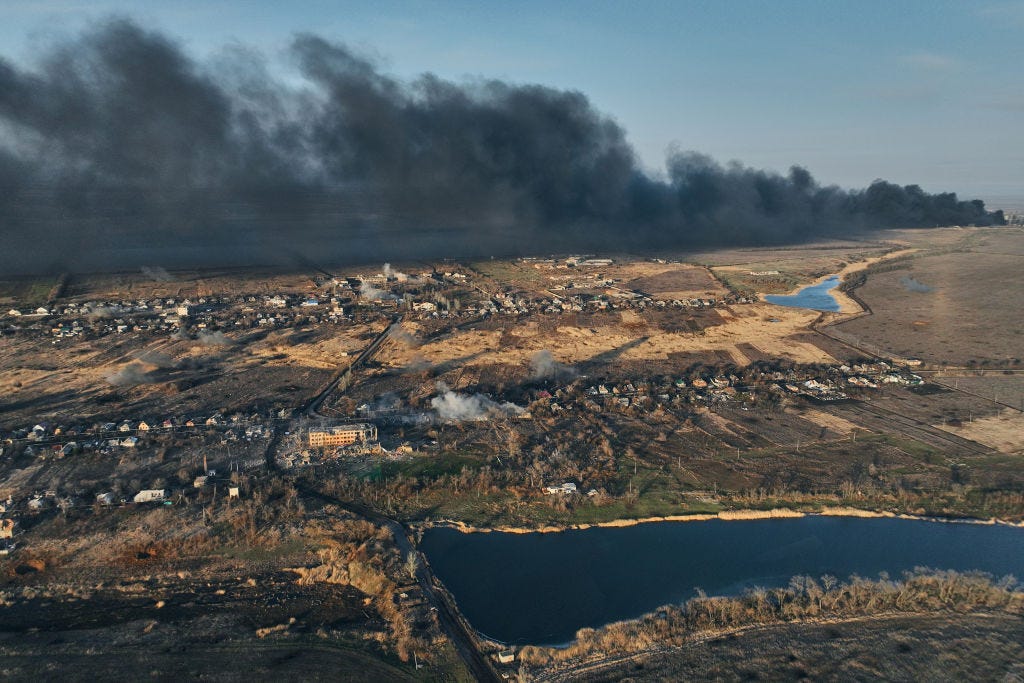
118 149
544 366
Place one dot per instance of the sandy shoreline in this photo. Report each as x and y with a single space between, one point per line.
847 306
725 515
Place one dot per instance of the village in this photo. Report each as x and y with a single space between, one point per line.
299 444
542 392
388 417
337 300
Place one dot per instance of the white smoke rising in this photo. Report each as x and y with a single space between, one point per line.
455 407
372 293
156 273
215 338
912 285
160 360
403 337
544 366
100 313
392 274
130 375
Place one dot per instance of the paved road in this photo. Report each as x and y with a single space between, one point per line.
314 405
449 619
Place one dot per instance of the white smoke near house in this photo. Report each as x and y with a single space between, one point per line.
368 291
455 407
544 366
100 313
214 338
385 403
392 274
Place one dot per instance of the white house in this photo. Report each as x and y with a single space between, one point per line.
149 496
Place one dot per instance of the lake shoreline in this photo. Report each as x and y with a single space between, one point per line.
847 305
725 515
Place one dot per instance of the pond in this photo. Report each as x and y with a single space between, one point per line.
815 297
540 588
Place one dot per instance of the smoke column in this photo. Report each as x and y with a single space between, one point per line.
119 149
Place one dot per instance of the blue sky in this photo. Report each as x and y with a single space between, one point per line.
923 92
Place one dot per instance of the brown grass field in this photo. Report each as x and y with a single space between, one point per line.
943 647
972 312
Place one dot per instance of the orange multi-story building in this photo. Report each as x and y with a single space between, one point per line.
343 436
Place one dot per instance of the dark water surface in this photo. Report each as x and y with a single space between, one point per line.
541 588
815 297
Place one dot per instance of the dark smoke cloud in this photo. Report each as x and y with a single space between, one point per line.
118 149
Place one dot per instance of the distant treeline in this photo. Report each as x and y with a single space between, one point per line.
921 590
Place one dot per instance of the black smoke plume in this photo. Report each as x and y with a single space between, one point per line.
118 149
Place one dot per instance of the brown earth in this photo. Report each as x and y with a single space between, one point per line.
905 648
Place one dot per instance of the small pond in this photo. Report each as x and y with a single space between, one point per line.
815 297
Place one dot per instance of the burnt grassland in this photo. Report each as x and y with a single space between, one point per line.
274 584
83 381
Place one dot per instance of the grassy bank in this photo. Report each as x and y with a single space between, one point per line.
805 599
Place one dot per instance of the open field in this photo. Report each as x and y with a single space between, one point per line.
1003 431
624 341
958 308
156 283
87 380
903 648
1001 387
759 277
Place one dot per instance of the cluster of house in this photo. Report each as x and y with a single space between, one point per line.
332 303
60 440
41 501
507 303
94 319
828 385
567 489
